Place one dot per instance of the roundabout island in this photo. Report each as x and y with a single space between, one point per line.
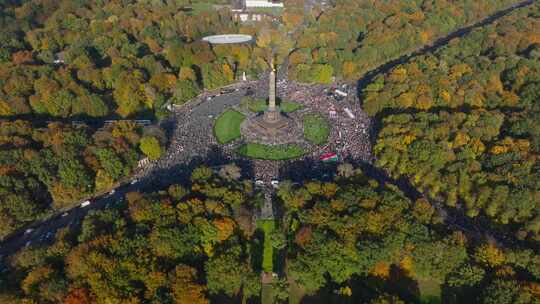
227 125
263 130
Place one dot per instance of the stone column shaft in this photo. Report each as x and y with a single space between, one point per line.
272 90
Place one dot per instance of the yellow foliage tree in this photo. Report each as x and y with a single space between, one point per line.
490 255
225 228
381 270
406 99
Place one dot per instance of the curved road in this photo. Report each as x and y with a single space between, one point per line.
162 176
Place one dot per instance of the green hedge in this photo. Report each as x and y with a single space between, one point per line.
260 105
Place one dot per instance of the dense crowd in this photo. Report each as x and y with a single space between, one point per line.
192 140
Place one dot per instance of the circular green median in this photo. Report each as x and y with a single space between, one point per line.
316 129
277 152
227 126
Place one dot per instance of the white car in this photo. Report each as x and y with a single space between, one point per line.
28 231
133 182
112 192
259 182
65 214
274 183
85 204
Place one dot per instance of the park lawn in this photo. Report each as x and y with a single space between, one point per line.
430 291
227 126
202 7
267 226
278 152
267 294
316 129
260 105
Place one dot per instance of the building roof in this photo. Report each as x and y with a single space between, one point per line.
228 39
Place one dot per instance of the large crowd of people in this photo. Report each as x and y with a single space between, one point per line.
192 138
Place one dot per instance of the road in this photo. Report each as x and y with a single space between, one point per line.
193 150
73 217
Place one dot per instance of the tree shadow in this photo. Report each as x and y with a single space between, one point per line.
306 169
257 241
180 173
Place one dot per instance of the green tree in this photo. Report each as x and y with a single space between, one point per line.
150 147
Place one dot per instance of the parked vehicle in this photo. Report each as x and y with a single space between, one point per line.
85 204
28 231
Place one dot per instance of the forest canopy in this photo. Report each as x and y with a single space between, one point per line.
462 124
46 169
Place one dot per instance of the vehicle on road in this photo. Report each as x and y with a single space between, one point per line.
341 93
85 204
227 91
45 236
65 214
28 231
112 192
349 113
133 182
28 244
275 183
259 182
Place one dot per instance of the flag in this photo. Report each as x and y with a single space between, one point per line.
329 157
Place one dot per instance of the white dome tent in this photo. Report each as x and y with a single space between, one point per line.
228 39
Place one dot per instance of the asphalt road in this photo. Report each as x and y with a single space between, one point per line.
45 231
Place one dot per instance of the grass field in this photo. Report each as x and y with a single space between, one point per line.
280 152
430 291
260 105
267 294
200 7
227 126
268 227
316 129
